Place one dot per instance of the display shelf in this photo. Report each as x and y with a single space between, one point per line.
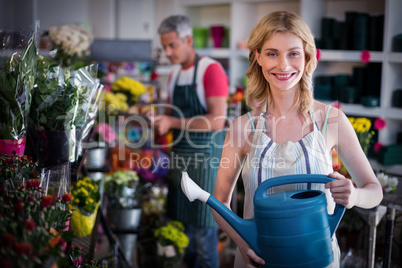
217 53
242 15
390 169
349 56
393 113
360 110
204 2
395 57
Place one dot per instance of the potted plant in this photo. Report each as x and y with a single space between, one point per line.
63 110
124 191
17 77
171 242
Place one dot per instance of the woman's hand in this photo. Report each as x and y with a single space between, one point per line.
342 189
251 259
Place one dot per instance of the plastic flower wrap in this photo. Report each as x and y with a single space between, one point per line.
71 42
64 107
85 200
171 242
17 76
387 182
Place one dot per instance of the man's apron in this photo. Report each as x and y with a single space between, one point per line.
196 153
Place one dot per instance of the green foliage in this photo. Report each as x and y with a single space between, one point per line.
57 101
17 78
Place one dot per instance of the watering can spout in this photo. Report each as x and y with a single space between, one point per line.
245 228
192 190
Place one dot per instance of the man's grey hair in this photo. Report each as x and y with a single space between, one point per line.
178 23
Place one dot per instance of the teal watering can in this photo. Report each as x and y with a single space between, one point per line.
289 229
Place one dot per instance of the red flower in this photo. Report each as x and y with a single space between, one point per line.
33 184
46 201
23 248
29 225
6 263
8 239
19 205
378 146
380 123
66 197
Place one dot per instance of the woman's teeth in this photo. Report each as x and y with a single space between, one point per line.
283 75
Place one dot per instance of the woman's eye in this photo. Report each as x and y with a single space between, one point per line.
271 54
294 54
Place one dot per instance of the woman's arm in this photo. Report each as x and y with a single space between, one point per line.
237 141
368 193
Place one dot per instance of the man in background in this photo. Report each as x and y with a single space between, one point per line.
198 91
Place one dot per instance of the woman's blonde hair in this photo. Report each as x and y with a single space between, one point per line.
258 89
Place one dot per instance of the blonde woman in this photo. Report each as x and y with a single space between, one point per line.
288 132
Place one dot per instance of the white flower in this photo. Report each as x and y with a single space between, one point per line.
72 39
382 178
393 181
387 182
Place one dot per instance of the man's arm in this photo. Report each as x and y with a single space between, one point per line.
214 120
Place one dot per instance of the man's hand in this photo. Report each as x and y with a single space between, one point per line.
163 123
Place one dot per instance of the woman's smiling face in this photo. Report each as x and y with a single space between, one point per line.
282 60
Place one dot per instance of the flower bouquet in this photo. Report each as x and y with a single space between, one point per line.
32 224
85 200
364 130
171 242
17 76
131 88
387 182
63 111
123 189
71 42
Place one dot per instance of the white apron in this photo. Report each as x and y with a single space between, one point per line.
307 156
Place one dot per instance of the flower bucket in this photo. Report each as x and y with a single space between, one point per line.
128 244
125 219
8 146
53 148
96 158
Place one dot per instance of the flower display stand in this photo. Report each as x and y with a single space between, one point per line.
88 242
125 223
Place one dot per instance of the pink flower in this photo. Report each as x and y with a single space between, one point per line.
378 146
380 123
77 262
107 133
337 105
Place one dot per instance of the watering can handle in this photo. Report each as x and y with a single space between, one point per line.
260 193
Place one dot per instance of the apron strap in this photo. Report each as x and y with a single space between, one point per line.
195 71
